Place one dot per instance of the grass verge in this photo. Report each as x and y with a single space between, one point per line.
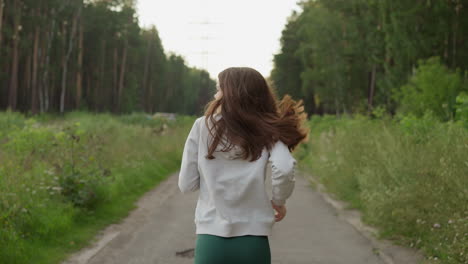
408 176
62 179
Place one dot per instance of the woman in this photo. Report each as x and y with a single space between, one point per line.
226 155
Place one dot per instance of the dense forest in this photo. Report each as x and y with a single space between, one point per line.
348 56
62 55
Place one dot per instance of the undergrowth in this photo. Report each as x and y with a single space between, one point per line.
408 175
62 179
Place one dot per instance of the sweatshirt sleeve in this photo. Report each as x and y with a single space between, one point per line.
282 173
189 177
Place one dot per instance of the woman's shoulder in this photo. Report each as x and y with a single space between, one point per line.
200 119
280 146
204 120
279 151
200 124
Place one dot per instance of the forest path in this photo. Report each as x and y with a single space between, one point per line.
313 232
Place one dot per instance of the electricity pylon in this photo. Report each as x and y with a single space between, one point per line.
204 52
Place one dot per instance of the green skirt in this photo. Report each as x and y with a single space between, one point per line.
210 249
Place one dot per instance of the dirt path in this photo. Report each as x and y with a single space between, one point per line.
161 231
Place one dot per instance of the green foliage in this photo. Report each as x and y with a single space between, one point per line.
419 129
379 112
434 88
462 109
10 121
64 178
286 74
80 176
408 176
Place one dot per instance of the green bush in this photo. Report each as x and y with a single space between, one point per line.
462 109
80 174
10 120
420 130
433 87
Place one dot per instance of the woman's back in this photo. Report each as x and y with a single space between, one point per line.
233 200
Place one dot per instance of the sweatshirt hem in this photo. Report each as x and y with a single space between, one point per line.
234 229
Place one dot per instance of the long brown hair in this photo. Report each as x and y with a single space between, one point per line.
251 116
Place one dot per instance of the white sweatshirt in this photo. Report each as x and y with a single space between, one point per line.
233 200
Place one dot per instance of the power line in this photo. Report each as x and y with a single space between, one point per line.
205 37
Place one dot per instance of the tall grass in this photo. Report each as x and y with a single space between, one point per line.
409 177
64 178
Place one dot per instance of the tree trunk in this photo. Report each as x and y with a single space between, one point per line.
371 88
102 82
144 94
122 75
41 66
79 72
115 80
1 20
337 107
27 84
88 91
45 78
150 98
3 66
44 97
455 31
66 59
13 93
34 94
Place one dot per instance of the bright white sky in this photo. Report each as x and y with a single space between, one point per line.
241 33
